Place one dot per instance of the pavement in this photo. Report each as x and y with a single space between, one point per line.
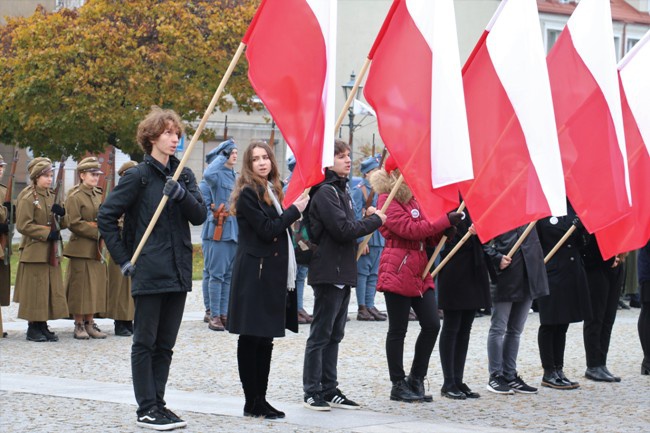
79 386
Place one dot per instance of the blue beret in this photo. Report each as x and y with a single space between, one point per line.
291 163
369 163
222 149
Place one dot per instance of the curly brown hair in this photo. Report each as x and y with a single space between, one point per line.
248 178
155 124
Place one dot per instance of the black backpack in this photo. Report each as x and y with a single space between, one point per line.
304 243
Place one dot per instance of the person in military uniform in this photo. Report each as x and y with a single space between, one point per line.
120 303
5 272
368 263
221 229
40 285
86 277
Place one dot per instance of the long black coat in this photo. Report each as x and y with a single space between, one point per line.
463 283
568 301
527 263
259 303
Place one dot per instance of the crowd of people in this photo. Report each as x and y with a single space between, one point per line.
258 254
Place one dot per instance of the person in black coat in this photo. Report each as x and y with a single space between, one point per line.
463 288
644 317
164 269
568 299
262 297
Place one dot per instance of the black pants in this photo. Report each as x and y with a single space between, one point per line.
325 334
155 328
644 321
254 362
552 341
604 291
454 341
398 308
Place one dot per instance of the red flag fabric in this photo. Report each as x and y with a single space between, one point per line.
290 56
633 231
586 97
517 167
415 88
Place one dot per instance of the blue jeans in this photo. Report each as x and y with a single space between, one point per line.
508 320
222 255
301 276
205 247
367 273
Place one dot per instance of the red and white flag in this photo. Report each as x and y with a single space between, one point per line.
633 231
291 51
586 97
517 168
415 87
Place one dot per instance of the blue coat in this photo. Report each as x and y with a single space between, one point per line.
221 181
359 196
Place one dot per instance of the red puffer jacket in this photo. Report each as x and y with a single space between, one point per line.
407 233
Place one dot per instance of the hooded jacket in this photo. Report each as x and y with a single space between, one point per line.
407 234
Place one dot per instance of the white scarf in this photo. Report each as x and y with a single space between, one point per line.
292 266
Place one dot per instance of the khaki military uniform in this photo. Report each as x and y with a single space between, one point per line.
39 286
5 274
120 302
86 278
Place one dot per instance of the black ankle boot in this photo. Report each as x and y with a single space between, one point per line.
645 367
49 335
121 329
278 413
417 386
260 410
35 333
401 391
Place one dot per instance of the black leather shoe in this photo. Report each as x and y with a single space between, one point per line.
401 391
645 368
561 375
122 329
552 380
417 386
34 333
606 371
468 392
595 373
260 410
278 413
453 393
49 335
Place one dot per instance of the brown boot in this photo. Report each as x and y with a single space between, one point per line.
215 324
378 315
80 331
224 320
206 317
305 315
364 315
93 330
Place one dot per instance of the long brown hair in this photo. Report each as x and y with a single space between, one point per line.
248 178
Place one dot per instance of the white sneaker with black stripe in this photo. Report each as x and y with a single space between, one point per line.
316 402
337 399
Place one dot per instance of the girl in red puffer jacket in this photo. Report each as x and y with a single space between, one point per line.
402 262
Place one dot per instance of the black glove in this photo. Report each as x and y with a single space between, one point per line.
450 232
8 205
58 209
54 235
576 222
455 217
128 269
174 190
11 210
4 228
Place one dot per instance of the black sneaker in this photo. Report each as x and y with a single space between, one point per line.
316 402
518 385
172 416
337 399
498 385
155 420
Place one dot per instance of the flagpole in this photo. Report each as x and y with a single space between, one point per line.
521 239
364 243
451 254
353 92
561 242
439 247
188 151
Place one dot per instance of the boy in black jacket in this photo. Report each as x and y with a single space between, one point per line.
332 272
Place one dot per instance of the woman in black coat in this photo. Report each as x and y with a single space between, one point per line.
262 296
463 288
568 299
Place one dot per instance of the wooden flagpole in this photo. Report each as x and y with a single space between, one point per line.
439 248
561 242
451 254
186 156
521 239
353 92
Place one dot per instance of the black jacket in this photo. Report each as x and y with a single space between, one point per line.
335 230
259 302
165 263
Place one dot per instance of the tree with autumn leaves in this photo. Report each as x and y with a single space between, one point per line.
76 81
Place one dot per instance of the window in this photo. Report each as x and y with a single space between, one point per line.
551 38
631 42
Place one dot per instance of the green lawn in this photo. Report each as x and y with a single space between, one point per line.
197 263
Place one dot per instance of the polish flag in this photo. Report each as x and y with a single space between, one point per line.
415 87
517 167
633 231
586 97
291 52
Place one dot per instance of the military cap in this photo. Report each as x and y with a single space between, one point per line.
89 165
40 168
127 165
291 163
36 161
370 163
223 148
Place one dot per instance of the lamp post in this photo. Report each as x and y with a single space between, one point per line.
347 88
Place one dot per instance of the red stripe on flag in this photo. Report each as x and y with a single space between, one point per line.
384 28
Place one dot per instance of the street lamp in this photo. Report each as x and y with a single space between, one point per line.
347 88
